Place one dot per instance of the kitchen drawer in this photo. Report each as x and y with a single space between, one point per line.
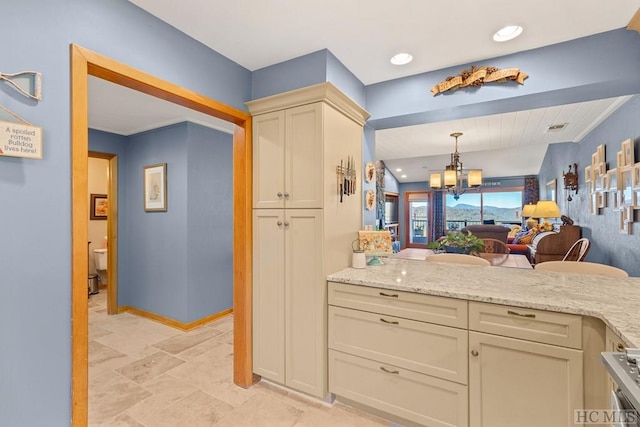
425 308
416 397
431 349
528 324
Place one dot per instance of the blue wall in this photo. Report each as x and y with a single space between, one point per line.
317 67
573 71
177 263
608 246
210 222
36 194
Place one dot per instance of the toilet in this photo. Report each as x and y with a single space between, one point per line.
100 259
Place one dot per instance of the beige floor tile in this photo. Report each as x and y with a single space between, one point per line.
112 398
224 324
96 331
149 367
338 417
103 358
195 410
263 410
165 391
134 342
185 341
216 350
122 420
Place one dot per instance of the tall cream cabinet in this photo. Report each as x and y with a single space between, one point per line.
301 230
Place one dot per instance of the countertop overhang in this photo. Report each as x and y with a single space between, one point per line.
614 300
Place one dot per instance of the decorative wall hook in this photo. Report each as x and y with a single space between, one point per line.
28 83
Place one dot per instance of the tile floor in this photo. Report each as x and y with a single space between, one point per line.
145 374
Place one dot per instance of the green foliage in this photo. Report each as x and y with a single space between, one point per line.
458 239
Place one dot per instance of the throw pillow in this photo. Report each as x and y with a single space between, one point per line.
526 240
519 236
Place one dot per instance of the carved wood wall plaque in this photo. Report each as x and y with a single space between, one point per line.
478 77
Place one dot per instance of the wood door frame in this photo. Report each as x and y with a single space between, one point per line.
407 231
83 64
112 229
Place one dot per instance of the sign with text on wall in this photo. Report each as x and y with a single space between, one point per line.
18 140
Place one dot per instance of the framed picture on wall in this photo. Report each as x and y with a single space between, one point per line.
155 188
627 152
99 206
551 190
626 187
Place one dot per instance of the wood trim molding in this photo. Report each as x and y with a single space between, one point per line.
322 92
183 326
84 63
634 24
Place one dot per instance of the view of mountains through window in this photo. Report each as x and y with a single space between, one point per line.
474 208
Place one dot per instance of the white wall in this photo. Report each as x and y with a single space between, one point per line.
98 184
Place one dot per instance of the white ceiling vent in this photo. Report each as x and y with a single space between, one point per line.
556 128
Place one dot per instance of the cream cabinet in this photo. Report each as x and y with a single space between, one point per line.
302 229
288 158
383 354
529 375
287 285
613 343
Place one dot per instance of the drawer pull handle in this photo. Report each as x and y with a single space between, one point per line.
620 347
390 322
389 295
382 368
529 316
474 353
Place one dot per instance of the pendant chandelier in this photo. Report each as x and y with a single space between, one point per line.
454 175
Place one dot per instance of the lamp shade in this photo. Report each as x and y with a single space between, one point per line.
475 178
435 180
527 210
450 178
546 209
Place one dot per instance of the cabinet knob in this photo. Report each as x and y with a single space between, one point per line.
620 347
286 224
279 194
474 353
279 223
286 194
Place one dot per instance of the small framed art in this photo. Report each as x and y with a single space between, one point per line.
155 188
99 207
627 152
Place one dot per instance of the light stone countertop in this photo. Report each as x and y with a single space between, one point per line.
616 301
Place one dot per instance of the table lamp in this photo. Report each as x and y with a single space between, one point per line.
546 209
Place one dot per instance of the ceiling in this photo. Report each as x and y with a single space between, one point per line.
363 36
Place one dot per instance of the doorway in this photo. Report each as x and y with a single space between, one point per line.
417 219
83 64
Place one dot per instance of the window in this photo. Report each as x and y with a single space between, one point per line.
493 207
417 225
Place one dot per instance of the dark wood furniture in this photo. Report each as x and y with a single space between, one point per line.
553 246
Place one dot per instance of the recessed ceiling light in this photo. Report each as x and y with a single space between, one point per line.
401 58
398 170
403 176
507 33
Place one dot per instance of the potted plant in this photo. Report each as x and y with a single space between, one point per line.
459 242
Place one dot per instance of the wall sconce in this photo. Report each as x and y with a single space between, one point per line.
571 181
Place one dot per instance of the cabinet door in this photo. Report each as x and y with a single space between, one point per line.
520 383
268 160
612 343
303 157
305 300
268 294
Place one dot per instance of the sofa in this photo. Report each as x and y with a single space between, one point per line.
498 232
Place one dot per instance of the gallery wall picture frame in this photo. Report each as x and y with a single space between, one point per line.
624 224
587 174
620 159
636 176
627 152
155 187
612 180
600 152
626 186
99 207
551 190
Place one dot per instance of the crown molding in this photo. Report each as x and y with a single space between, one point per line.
323 92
